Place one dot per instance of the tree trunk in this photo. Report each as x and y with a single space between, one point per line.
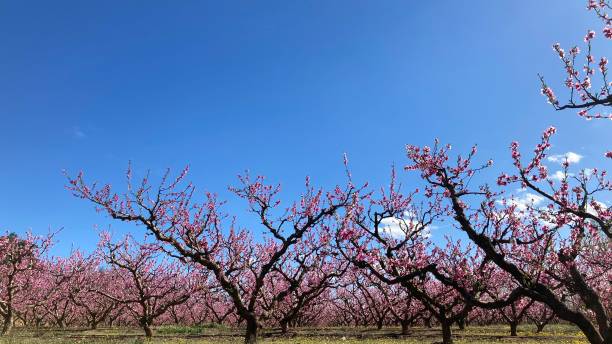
146 326
8 322
540 327
284 327
513 326
428 322
447 336
380 323
461 324
252 330
405 328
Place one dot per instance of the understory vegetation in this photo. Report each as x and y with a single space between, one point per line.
553 334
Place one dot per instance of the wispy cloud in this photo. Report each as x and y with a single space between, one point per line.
78 133
571 157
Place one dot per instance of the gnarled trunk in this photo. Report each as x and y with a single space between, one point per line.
513 326
252 331
284 327
148 331
461 323
61 323
146 326
447 335
380 323
93 324
8 322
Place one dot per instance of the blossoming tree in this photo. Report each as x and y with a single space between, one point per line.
194 232
19 257
145 285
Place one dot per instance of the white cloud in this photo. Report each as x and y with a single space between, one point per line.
399 228
591 210
571 157
559 175
525 200
392 226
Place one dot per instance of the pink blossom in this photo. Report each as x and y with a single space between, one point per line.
589 36
603 62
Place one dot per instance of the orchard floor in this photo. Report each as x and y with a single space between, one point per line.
552 334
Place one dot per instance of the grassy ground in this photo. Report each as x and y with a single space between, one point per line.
553 334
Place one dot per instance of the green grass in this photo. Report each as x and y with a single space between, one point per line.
215 334
211 328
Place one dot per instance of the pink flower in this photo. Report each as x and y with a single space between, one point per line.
603 62
548 92
574 51
559 50
586 84
592 5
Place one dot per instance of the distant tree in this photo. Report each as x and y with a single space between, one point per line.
19 257
540 315
404 308
387 236
144 283
308 270
89 278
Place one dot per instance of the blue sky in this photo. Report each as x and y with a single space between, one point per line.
282 88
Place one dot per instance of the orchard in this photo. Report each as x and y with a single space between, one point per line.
336 261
